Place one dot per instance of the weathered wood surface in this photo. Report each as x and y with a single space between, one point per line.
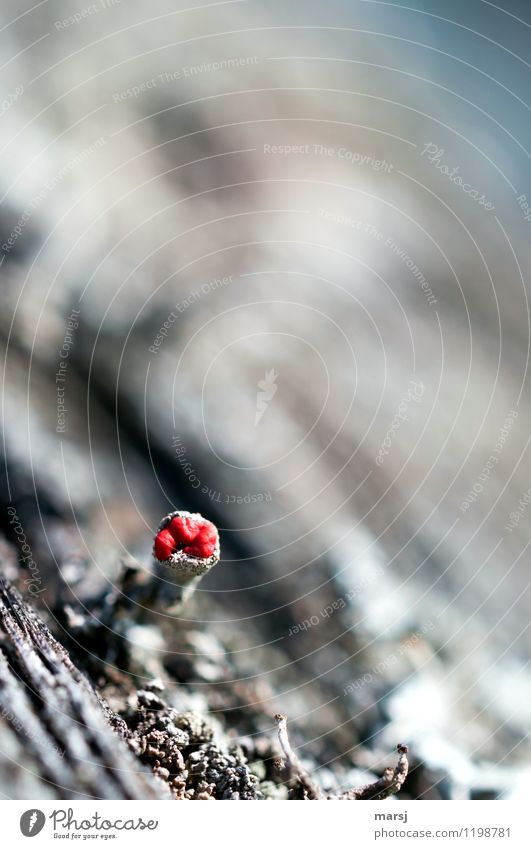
136 227
62 739
66 745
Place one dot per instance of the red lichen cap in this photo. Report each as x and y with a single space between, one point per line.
187 540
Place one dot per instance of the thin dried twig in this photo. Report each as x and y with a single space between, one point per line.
309 787
390 782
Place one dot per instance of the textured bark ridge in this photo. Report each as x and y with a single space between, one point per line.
63 740
71 740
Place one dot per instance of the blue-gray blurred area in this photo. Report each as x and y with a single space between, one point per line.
270 261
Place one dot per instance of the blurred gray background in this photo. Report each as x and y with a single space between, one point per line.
270 261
